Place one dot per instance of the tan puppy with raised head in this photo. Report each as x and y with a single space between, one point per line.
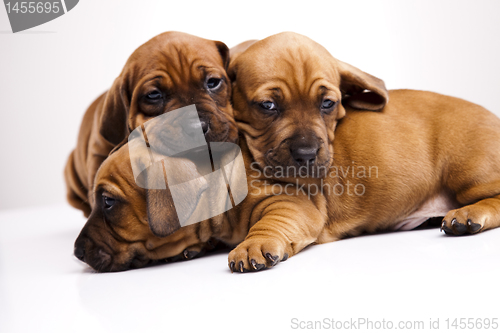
334 154
169 71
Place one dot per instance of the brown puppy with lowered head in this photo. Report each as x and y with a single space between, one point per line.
169 71
334 154
130 226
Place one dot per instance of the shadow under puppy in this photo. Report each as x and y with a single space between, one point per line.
314 126
169 71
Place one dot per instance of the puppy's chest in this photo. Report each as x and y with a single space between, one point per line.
436 206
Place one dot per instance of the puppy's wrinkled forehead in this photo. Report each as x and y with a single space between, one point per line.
289 62
115 174
176 53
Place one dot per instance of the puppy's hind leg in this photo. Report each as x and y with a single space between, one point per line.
472 219
482 215
472 171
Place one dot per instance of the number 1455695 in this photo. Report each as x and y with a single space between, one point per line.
472 323
33 7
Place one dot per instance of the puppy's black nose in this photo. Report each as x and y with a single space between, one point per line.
192 126
304 154
80 251
204 126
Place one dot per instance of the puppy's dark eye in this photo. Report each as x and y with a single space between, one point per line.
213 83
155 95
268 105
108 202
327 104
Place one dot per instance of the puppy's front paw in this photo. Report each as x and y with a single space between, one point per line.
255 254
465 220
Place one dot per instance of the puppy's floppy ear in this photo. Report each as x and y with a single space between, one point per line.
162 216
224 53
114 116
234 53
231 71
119 145
361 90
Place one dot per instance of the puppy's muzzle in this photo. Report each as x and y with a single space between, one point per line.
102 258
216 125
96 257
193 126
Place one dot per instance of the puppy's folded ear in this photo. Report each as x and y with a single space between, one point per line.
114 115
162 216
184 183
231 71
224 53
361 90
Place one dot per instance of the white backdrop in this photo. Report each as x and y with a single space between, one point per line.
51 73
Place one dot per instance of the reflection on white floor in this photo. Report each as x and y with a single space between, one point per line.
401 276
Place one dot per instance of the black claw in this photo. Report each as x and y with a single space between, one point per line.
443 225
473 227
256 266
448 231
175 258
231 266
273 259
190 254
285 257
460 228
241 266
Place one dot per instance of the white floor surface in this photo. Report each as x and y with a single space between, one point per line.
401 277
